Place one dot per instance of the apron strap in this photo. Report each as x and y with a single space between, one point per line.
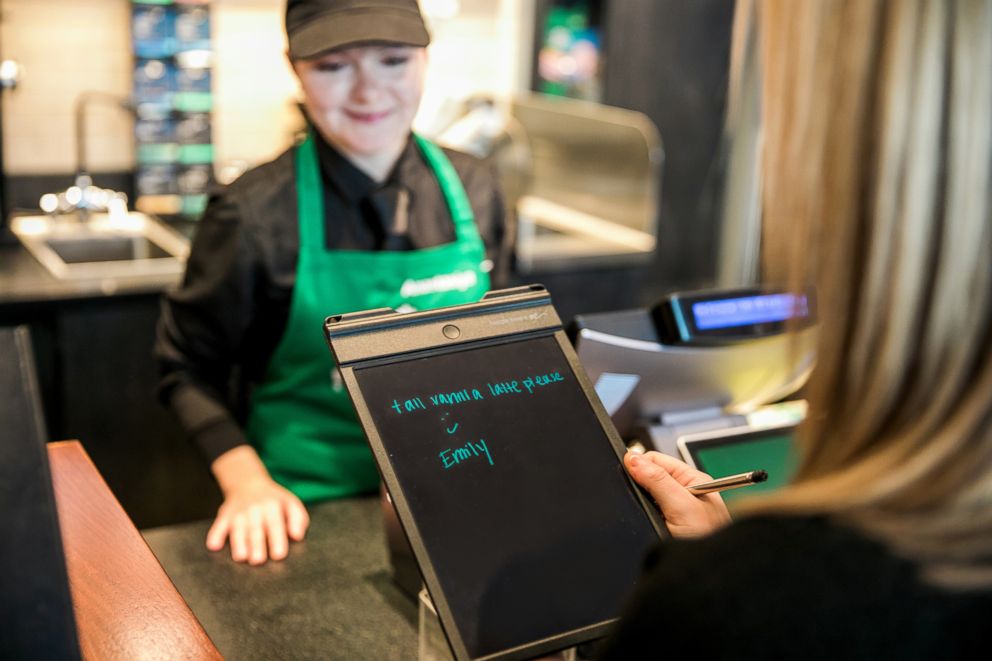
309 195
451 188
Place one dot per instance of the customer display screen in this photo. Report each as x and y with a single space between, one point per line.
770 451
515 489
721 316
747 310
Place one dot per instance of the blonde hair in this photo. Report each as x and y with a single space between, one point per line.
877 120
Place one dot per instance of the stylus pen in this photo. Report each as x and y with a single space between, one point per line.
729 482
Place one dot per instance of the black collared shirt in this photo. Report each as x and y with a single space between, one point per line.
219 329
359 210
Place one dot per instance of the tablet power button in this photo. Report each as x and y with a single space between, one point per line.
451 331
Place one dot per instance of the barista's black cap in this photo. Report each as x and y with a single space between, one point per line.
316 26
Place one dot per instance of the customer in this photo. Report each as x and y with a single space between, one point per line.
361 214
876 168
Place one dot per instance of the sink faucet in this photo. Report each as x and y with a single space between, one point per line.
83 198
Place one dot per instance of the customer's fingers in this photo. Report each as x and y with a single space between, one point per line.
683 473
654 477
665 478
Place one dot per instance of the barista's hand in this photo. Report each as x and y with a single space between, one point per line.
666 479
258 515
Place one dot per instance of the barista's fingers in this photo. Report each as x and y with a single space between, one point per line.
275 525
297 518
239 538
257 552
217 534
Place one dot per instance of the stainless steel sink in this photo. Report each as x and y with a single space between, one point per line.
105 245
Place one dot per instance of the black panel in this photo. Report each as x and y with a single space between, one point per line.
591 290
670 60
98 380
36 617
108 380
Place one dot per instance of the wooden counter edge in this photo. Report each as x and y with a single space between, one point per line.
126 606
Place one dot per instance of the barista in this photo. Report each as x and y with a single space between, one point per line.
360 214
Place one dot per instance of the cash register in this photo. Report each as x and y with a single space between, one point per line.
710 377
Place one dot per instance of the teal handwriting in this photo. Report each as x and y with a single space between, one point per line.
454 456
503 388
531 383
458 397
542 380
525 386
409 405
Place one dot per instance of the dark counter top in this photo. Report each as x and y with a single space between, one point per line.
332 598
24 280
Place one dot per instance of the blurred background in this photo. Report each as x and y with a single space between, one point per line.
607 121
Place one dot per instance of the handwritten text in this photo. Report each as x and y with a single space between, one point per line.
524 386
454 456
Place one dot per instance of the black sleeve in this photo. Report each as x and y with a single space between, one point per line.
504 237
711 597
202 326
496 223
778 588
695 596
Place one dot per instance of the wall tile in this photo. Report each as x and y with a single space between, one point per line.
69 46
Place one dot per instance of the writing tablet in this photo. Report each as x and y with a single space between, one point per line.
505 471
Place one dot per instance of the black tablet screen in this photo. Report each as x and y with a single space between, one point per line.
517 493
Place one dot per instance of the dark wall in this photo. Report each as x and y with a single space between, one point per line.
669 59
97 380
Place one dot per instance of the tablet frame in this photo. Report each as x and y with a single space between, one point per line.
503 316
726 436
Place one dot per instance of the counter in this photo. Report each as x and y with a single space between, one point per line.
124 605
332 598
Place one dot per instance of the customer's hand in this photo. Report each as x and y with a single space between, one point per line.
258 516
666 479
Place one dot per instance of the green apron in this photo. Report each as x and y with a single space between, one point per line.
302 422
